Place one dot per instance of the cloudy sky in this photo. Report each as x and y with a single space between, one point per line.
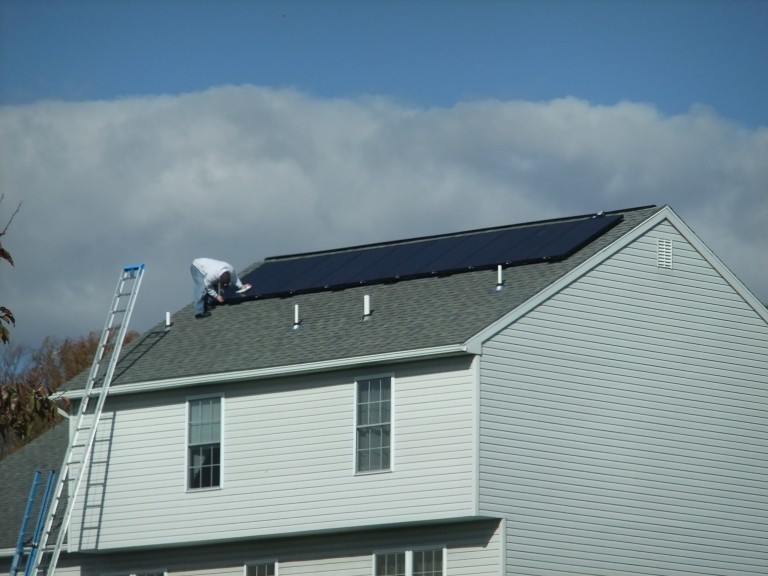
156 131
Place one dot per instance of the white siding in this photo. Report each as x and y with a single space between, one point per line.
288 461
623 424
474 549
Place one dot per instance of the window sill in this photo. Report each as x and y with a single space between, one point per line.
374 472
202 490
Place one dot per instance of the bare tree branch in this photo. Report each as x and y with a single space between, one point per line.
12 215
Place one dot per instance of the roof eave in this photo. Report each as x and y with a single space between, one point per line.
281 371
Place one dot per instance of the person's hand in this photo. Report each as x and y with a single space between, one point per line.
220 298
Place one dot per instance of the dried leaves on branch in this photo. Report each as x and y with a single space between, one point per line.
6 316
26 382
29 377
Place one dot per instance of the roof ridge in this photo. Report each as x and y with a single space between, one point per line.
448 235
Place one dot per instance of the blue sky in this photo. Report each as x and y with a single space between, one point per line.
673 53
158 131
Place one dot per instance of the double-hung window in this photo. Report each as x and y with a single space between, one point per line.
204 443
374 425
426 562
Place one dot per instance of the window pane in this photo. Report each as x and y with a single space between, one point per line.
375 437
216 410
428 563
390 564
364 439
194 434
205 420
194 412
204 466
363 461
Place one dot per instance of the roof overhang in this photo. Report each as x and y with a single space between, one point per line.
280 371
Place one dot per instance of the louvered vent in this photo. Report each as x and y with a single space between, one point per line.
664 253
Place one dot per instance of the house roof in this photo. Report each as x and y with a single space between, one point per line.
435 313
16 472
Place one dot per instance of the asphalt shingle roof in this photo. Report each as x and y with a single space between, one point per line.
16 472
407 315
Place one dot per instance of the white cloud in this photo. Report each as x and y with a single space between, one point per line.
240 173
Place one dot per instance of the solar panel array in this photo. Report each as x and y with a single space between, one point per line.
439 255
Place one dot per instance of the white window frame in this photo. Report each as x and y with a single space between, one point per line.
409 557
188 401
260 562
391 468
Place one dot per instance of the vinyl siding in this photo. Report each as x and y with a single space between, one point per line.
622 423
474 549
288 461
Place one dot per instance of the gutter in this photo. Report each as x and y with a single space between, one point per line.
277 371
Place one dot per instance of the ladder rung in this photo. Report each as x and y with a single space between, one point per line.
88 422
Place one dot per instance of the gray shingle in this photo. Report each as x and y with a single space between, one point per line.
407 315
16 471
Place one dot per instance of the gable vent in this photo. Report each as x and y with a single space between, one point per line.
664 253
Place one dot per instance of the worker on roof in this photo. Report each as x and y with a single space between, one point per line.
211 278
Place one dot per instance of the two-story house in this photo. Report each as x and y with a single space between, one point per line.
582 396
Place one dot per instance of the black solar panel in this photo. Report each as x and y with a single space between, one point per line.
449 254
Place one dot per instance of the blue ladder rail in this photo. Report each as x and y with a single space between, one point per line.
35 540
27 513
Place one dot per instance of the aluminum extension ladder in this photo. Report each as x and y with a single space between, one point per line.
43 559
22 544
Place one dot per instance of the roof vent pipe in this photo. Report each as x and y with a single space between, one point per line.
167 320
296 319
499 278
366 306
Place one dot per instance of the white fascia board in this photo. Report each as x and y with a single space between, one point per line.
475 343
279 371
